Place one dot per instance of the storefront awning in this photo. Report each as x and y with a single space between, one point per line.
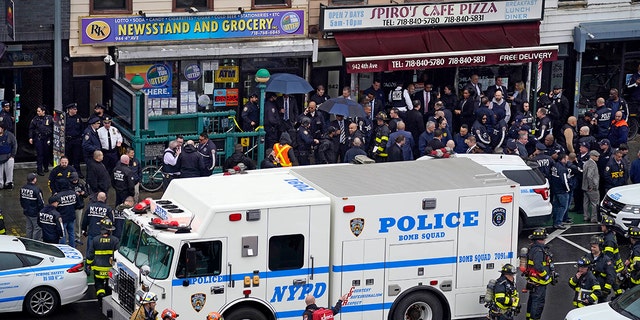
247 49
451 59
613 30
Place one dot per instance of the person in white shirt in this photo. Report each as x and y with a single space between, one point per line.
110 141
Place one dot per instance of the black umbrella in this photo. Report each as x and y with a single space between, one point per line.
343 106
288 84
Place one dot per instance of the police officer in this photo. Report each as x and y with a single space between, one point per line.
73 137
603 119
90 139
585 284
616 172
539 273
381 137
633 263
119 216
124 181
98 112
505 295
32 202
50 221
305 141
110 141
610 249
6 117
602 268
40 135
95 212
271 120
101 255
251 114
69 202
207 149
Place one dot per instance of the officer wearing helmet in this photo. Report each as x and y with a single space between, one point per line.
100 257
214 316
305 141
539 273
610 249
505 295
168 314
602 268
585 284
633 263
147 311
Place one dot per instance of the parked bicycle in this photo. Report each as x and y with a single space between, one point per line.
152 176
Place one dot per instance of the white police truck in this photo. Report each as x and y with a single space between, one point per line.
397 237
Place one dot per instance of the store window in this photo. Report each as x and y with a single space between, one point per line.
110 6
271 3
186 5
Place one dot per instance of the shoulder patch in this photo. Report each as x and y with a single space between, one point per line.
305 132
245 109
606 168
86 136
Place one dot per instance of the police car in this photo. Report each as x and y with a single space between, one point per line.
38 277
624 307
623 205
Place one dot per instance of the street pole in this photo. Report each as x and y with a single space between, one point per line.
262 76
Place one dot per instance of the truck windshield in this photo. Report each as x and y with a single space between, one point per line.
141 249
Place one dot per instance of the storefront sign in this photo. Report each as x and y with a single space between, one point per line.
192 72
254 24
429 15
157 79
225 97
452 59
228 74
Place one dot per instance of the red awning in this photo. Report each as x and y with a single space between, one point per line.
363 45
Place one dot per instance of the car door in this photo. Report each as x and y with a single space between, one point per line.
16 278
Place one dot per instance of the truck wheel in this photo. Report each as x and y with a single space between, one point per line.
633 128
419 305
245 314
41 302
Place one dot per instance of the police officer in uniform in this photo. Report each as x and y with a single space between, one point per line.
271 120
250 114
90 139
602 268
633 263
6 117
40 135
32 201
538 273
305 141
73 137
124 181
101 255
50 221
110 141
611 250
585 284
95 212
505 295
207 149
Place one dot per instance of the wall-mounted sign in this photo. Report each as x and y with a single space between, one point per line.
225 97
157 79
421 15
254 24
192 72
228 74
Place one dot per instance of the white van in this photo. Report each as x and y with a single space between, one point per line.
535 205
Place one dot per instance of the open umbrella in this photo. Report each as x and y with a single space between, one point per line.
343 106
288 84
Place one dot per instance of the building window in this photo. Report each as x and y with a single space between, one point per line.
271 3
110 6
184 5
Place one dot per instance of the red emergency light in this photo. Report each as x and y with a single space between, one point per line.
506 199
235 217
349 208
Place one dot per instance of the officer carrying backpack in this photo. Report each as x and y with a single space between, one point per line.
322 314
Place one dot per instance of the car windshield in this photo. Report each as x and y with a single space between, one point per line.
525 177
141 249
41 247
628 303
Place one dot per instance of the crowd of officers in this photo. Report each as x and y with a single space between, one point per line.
601 274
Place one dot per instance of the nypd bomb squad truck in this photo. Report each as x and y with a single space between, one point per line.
394 236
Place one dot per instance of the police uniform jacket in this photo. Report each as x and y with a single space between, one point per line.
49 221
105 135
205 150
98 178
603 118
68 204
94 213
90 142
610 249
73 128
119 219
136 169
80 187
8 146
538 265
305 140
602 268
58 176
99 257
31 200
615 174
250 113
6 118
41 128
123 179
543 127
634 265
559 181
505 294
327 151
587 289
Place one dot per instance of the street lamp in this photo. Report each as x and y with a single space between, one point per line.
137 82
262 76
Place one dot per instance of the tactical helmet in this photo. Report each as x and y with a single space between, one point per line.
583 262
596 239
508 269
214 316
538 234
168 314
106 224
305 120
607 221
148 297
634 232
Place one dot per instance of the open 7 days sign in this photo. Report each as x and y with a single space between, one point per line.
423 15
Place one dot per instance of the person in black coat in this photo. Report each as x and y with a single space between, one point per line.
191 162
124 180
327 150
238 157
270 161
467 108
98 178
32 202
395 151
50 221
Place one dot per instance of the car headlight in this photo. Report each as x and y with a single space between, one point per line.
633 208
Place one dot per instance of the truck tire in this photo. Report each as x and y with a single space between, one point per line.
245 314
41 302
426 303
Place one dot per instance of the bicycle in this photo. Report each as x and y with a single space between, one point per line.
152 177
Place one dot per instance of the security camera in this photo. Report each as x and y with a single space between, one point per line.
193 10
109 60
